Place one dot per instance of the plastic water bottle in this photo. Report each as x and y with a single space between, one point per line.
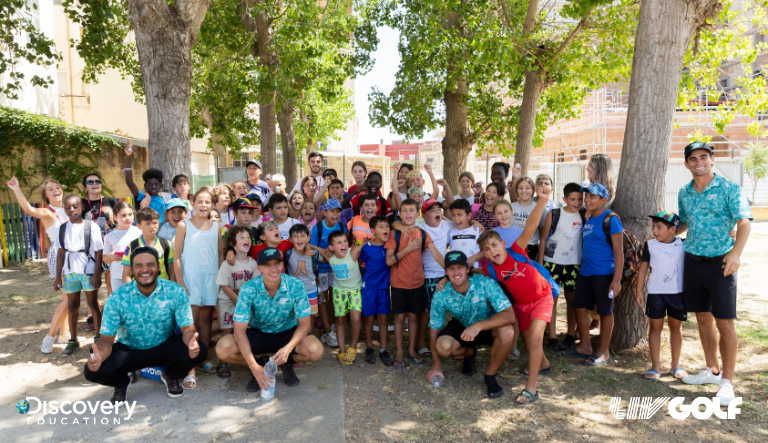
610 294
437 380
270 370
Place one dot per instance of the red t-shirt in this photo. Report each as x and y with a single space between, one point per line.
283 246
356 199
523 281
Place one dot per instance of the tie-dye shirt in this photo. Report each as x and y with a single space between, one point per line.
272 314
483 299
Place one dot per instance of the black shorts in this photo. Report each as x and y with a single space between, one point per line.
430 286
408 300
454 329
592 291
266 343
533 251
659 306
705 289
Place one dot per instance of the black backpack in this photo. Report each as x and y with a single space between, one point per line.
165 243
556 219
86 238
398 236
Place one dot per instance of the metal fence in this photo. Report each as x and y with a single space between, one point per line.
198 181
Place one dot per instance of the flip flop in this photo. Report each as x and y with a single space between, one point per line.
189 379
223 371
402 362
425 352
597 361
208 368
546 371
677 371
413 360
572 353
532 398
652 374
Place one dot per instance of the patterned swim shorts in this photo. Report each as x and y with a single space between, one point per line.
564 275
345 300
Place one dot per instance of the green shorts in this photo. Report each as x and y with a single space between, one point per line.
564 275
77 282
345 300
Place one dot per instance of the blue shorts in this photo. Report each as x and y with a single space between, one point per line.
375 301
77 282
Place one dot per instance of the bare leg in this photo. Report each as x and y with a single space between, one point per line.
675 340
368 319
73 311
582 320
413 320
423 326
654 342
399 330
502 344
324 318
309 349
552 328
536 360
108 282
341 323
59 319
354 319
606 330
516 337
92 298
196 320
708 336
383 331
205 323
729 347
570 312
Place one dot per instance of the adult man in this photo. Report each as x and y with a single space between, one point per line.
710 206
472 301
142 313
258 186
277 308
315 161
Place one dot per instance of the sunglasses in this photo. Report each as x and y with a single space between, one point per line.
93 182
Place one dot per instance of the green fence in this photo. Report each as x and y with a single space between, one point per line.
198 181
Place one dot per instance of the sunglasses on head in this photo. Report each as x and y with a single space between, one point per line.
93 182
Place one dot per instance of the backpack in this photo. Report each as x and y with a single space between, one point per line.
320 225
556 219
524 259
630 246
399 235
166 245
315 259
86 238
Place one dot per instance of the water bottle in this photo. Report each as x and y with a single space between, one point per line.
437 380
270 370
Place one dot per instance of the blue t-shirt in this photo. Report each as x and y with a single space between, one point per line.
322 267
157 203
597 253
510 234
376 269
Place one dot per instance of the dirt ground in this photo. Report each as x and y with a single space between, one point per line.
385 404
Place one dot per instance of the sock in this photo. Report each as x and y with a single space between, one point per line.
712 372
91 316
290 360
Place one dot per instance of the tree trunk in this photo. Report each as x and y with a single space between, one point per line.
288 140
165 36
456 147
268 135
664 32
534 86
218 150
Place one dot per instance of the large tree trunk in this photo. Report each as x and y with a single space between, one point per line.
288 140
165 36
268 135
534 86
456 147
664 32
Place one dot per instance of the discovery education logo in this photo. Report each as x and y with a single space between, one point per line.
74 413
643 408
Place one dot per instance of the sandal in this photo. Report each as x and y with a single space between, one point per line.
546 371
208 368
594 325
425 352
532 398
189 379
676 373
351 354
342 356
223 371
652 374
514 355
401 363
413 360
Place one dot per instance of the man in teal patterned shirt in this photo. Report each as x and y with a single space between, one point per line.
481 314
277 308
710 207
141 316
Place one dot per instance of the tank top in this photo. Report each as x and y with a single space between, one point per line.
346 273
201 250
59 218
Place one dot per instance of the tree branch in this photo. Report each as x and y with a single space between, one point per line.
505 14
568 40
530 18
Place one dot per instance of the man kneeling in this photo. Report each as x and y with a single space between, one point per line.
141 314
277 307
472 301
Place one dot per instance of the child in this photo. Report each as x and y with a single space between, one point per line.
116 241
175 211
258 212
665 256
336 191
231 278
522 208
407 279
331 211
147 220
301 261
484 212
153 184
215 215
376 289
463 235
372 187
528 290
347 299
545 181
223 196
278 204
599 278
562 256
181 187
309 187
308 212
359 227
241 189
78 265
268 235
297 200
503 212
198 248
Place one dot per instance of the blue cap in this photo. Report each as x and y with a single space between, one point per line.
596 189
331 203
176 203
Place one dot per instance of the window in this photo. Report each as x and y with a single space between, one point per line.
240 162
723 83
561 157
583 154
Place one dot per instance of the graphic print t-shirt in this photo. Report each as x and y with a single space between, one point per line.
564 245
522 280
236 275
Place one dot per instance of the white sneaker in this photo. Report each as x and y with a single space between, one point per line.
376 328
704 378
329 339
47 346
725 393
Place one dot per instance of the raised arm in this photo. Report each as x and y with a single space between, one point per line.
178 250
544 236
396 200
43 214
534 219
129 171
447 193
435 188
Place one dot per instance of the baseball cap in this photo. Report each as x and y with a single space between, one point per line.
254 197
695 146
242 203
266 255
253 162
175 203
331 203
428 203
455 258
596 189
669 217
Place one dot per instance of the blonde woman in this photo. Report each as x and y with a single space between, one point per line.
600 170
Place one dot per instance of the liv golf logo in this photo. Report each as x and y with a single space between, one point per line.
643 408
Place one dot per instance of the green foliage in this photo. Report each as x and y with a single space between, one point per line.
66 152
756 164
21 42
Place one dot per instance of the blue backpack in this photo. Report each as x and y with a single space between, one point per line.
524 259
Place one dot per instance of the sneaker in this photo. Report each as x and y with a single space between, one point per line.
67 337
704 378
376 328
494 390
133 376
172 386
370 357
47 346
289 375
121 393
468 368
72 346
386 358
725 393
328 339
89 326
253 385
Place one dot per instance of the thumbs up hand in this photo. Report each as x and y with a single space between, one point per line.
94 363
194 347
